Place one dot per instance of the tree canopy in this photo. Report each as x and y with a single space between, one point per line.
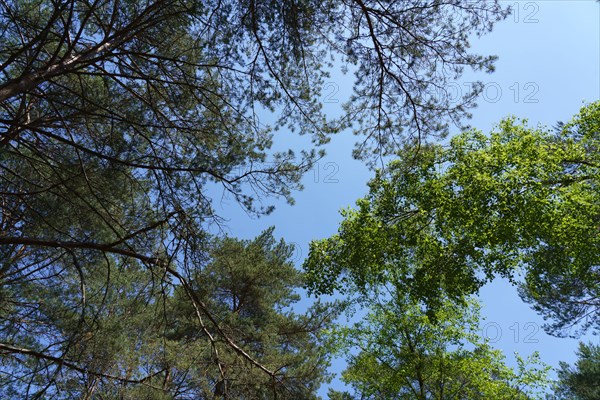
116 117
399 352
448 219
581 381
156 71
140 339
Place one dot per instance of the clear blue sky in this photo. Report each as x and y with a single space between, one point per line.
549 64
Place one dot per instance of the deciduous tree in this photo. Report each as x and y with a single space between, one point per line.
449 219
398 351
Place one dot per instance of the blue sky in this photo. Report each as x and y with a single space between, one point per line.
549 65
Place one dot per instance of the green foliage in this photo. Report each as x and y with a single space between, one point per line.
581 382
399 351
446 220
251 286
128 338
120 119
